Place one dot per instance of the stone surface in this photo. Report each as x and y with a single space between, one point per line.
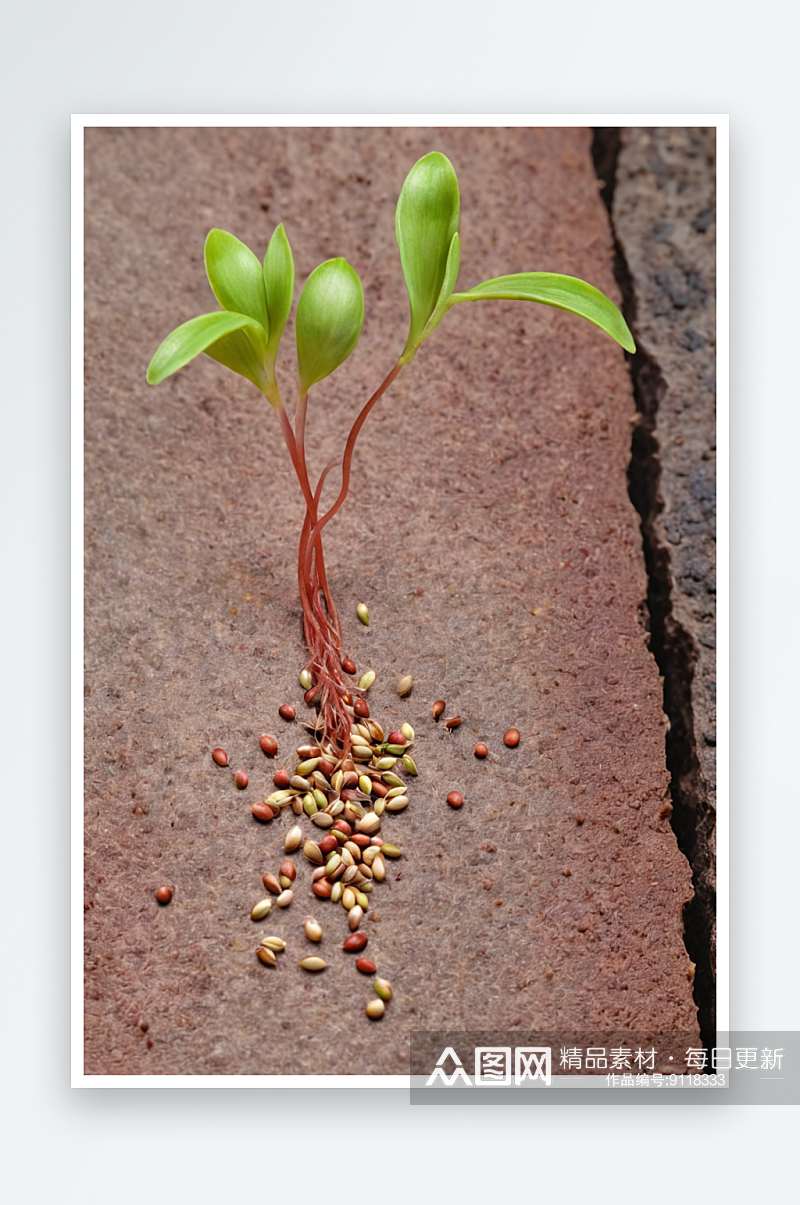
490 532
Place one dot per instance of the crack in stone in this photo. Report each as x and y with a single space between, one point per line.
673 647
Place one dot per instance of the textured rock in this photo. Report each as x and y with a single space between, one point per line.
490 532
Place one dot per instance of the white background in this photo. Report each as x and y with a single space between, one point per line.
352 57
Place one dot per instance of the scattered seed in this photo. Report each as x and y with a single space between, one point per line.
455 799
355 942
293 839
268 744
322 889
281 778
220 757
408 732
313 852
261 909
454 723
313 929
288 870
409 765
313 964
276 944
241 779
380 805
378 868
271 884
384 988
286 711
367 679
366 966
354 916
404 686
263 811
398 804
511 738
284 882
297 806
481 750
348 665
265 955
438 708
375 1010
284 899
306 681
390 851
363 613
163 895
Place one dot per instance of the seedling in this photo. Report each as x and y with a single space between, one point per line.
244 336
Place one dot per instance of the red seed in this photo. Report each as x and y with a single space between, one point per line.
269 744
311 694
323 889
262 811
366 966
437 708
396 738
360 839
281 779
361 709
455 799
380 788
326 767
241 779
348 665
220 757
272 884
511 738
343 827
451 724
286 711
328 843
355 942
163 895
288 869
377 841
481 750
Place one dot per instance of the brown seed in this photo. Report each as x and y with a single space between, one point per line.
220 757
375 1010
366 966
355 942
322 889
313 852
268 744
511 738
288 869
311 694
262 811
455 799
405 685
438 708
281 779
342 826
453 723
163 895
481 750
349 666
241 779
286 711
361 709
266 956
328 843
271 884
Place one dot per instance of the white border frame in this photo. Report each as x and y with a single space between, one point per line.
79 123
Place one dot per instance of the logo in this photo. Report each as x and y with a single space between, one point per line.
493 1066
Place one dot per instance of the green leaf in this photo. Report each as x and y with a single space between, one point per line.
563 292
330 315
279 283
232 339
448 284
426 220
235 275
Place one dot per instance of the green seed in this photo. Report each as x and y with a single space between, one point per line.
310 805
363 615
391 851
395 791
320 799
365 784
383 763
384 988
306 767
313 964
409 765
379 806
332 865
337 892
397 750
261 909
367 680
392 780
306 681
349 898
404 685
362 899
408 732
375 1009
